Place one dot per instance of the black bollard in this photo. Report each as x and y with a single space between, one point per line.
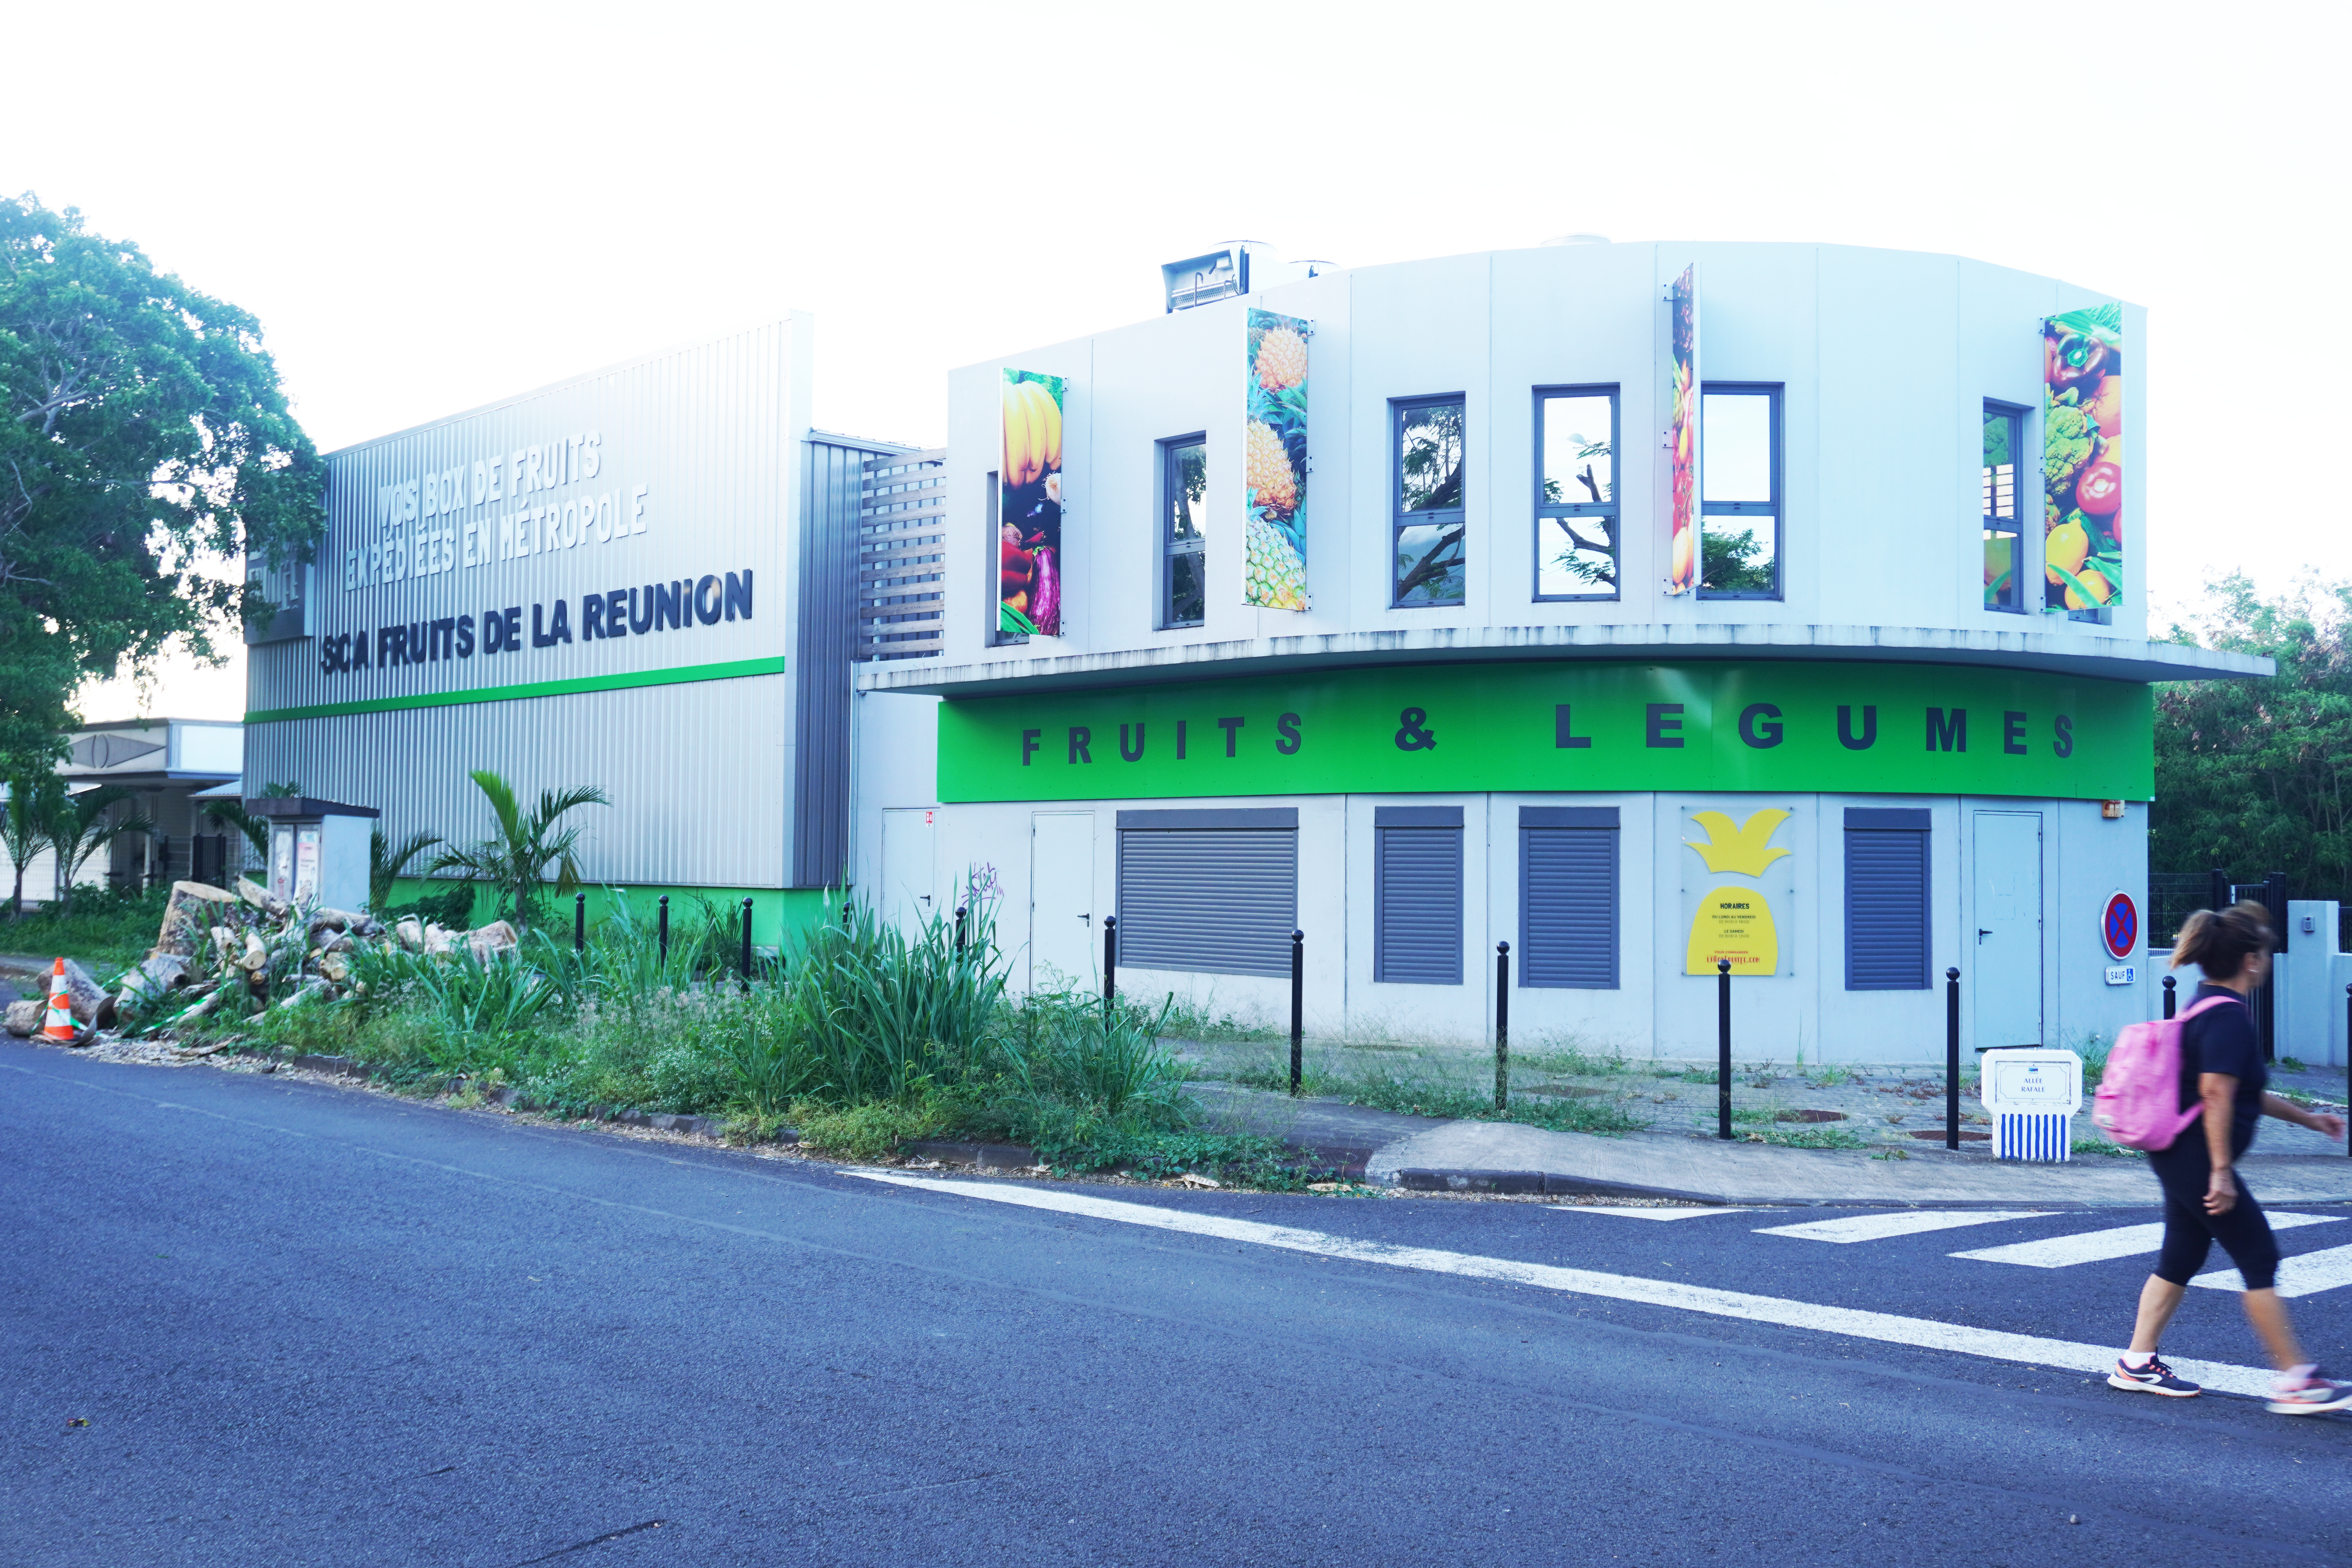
747 944
1298 1010
665 930
1502 1028
2171 1001
1951 1059
1723 1048
1110 966
962 911
579 922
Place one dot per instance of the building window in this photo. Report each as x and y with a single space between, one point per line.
1567 897
1417 895
1183 529
1576 493
1210 891
997 636
1888 925
1428 525
2004 549
1739 491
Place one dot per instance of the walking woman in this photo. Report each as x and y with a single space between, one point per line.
2205 1201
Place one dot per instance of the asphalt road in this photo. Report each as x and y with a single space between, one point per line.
309 1325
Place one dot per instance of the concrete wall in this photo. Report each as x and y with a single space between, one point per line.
1656 1009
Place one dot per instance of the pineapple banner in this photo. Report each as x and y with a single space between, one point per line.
2083 460
1274 459
1683 433
1029 540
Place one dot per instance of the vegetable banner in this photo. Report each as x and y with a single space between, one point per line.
2083 460
1683 432
1275 463
1029 540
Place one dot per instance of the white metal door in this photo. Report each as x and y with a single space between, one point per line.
1062 937
909 872
2007 951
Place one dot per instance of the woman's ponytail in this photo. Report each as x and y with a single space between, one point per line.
2218 944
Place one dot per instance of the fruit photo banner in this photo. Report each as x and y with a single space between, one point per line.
2083 459
1683 432
1275 463
1029 539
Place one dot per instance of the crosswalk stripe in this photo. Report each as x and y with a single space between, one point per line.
2303 1276
1924 1333
1895 1222
2099 1245
1643 1214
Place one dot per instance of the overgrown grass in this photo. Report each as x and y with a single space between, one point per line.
104 931
1389 1086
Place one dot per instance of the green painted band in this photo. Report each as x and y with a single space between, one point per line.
1560 726
731 670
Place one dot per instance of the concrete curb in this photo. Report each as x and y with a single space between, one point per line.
978 1157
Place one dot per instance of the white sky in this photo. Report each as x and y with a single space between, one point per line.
429 206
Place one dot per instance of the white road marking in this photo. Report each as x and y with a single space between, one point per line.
1643 1214
2303 1276
2029 1350
1895 1222
2099 1245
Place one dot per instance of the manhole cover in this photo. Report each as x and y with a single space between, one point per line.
1809 1114
1967 1134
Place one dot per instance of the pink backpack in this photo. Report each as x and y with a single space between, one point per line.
2138 1102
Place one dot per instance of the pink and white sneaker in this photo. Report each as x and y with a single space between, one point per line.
2305 1392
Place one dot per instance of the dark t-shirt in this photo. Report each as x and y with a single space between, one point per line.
2221 1039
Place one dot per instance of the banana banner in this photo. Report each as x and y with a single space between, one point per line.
1275 463
1729 897
1029 538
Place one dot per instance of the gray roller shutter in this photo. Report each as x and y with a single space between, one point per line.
1208 891
1417 895
1567 897
1888 924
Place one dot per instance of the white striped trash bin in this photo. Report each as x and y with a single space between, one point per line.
2032 1094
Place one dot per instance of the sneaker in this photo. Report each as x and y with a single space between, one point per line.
2316 1396
2154 1378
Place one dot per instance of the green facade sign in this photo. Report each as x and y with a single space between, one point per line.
1881 729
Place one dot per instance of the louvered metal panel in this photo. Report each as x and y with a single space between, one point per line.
1417 906
1568 906
902 544
1888 924
1208 900
828 620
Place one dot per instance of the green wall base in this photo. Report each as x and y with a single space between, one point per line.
774 911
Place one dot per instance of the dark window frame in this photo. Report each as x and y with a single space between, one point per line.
1169 546
2019 418
997 636
1776 508
1438 517
1608 511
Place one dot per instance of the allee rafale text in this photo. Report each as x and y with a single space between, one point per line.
679 605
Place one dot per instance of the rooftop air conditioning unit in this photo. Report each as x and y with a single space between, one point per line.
1218 274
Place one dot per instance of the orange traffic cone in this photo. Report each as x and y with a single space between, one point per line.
59 1025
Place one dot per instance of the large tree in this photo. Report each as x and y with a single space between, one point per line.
145 447
2255 776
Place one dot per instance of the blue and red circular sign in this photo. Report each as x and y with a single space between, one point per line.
2119 925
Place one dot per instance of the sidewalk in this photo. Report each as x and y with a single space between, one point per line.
1427 1154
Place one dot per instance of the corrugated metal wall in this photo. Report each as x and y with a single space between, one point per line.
696 772
835 478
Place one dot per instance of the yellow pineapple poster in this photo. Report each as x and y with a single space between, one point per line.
1737 883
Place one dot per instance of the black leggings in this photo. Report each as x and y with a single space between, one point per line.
2185 1169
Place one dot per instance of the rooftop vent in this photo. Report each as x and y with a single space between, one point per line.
1218 274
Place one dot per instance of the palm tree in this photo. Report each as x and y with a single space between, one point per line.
515 863
37 799
81 831
387 864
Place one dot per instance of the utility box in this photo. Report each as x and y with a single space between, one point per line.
318 850
2032 1094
